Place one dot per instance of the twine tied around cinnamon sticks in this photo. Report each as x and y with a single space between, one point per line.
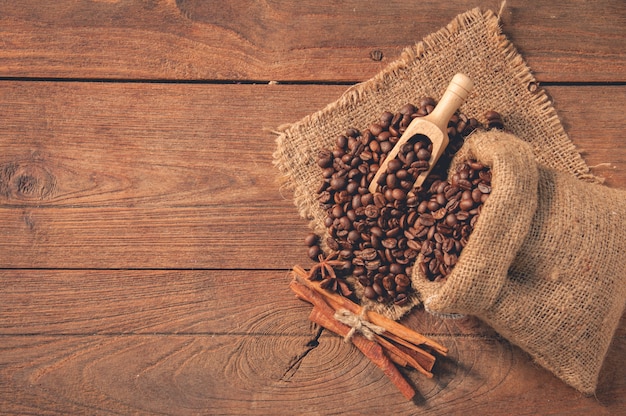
358 323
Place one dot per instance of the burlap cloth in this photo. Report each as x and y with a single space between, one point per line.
473 44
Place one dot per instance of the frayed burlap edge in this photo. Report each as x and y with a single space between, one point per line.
506 86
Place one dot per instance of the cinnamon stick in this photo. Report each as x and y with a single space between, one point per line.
426 360
337 302
404 355
370 349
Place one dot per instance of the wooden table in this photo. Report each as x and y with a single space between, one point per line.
145 242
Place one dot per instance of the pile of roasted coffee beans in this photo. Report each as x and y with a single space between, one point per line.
380 236
447 217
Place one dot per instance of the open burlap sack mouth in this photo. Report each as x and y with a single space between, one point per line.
473 44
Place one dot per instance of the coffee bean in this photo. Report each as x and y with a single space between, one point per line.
466 204
354 236
378 288
451 220
423 154
368 254
311 239
484 188
415 245
391 180
373 265
337 211
440 213
477 195
427 220
314 252
451 191
389 283
462 216
394 165
385 147
369 292
398 194
390 243
408 109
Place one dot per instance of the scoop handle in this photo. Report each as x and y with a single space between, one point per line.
456 93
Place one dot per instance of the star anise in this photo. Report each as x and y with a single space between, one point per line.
325 271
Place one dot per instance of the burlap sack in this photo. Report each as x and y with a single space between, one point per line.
472 44
545 264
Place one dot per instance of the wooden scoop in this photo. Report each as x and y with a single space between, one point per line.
434 126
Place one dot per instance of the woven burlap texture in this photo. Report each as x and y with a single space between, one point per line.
473 44
544 265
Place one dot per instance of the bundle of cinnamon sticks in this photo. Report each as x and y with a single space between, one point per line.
390 345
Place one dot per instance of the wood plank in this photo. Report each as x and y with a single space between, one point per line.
179 342
235 374
116 302
588 116
282 40
131 145
150 145
226 237
180 176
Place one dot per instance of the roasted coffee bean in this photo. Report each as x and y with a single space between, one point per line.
462 216
451 220
332 244
368 254
398 195
423 154
413 244
402 281
311 239
369 292
401 299
373 265
391 180
314 252
337 211
378 288
427 220
440 213
466 204
390 243
371 211
389 283
354 236
484 187
477 195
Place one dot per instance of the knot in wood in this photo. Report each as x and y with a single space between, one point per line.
376 55
26 180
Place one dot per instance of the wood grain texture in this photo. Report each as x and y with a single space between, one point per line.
282 40
173 343
234 374
121 302
145 241
177 176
